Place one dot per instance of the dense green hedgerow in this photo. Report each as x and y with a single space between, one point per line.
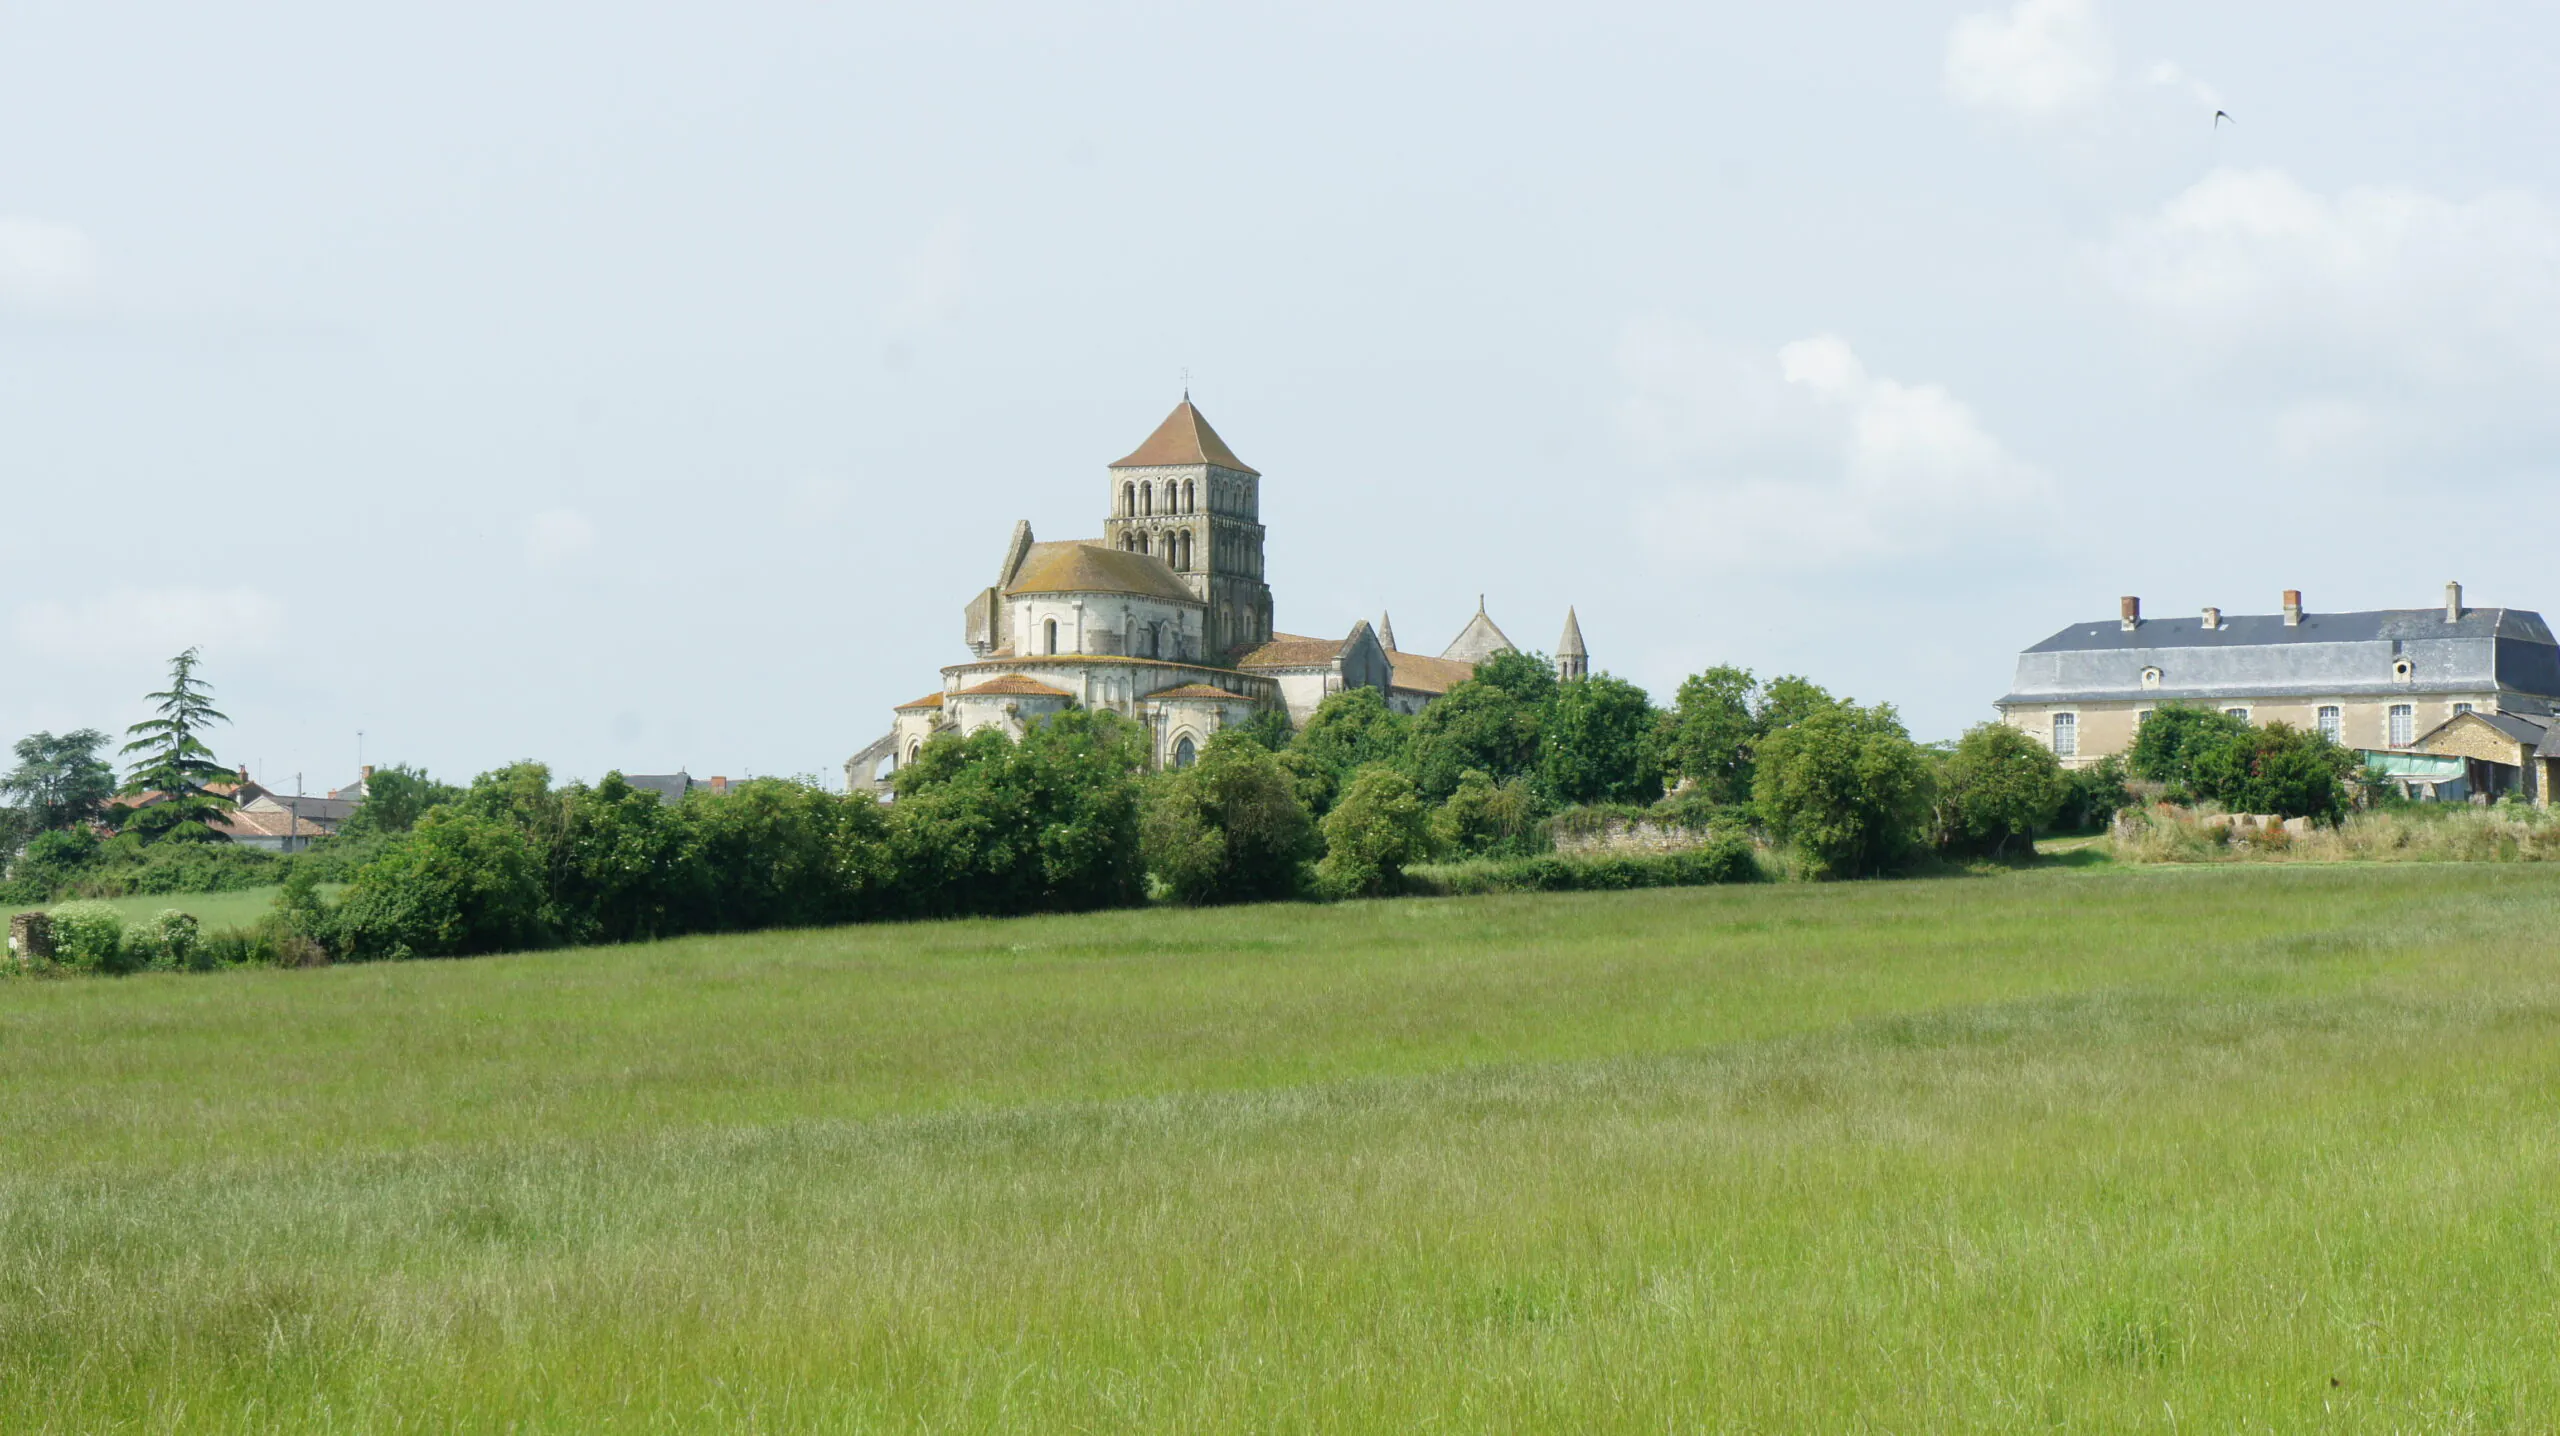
1727 860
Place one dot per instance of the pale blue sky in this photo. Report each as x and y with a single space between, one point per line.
634 387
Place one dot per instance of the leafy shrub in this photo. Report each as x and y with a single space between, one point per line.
1377 827
2174 736
1846 786
89 936
1727 860
1995 790
2280 769
1229 828
455 885
2092 796
169 940
1050 824
1489 819
774 853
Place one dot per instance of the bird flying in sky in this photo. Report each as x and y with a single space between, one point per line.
2219 116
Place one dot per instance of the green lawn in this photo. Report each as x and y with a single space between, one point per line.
214 910
2239 1148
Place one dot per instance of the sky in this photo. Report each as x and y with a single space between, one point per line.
644 387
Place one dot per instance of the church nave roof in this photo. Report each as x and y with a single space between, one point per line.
1085 566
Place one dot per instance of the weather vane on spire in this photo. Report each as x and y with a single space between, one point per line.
1186 383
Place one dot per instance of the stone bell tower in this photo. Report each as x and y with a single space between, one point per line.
1185 497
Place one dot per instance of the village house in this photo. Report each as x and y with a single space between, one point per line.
2450 702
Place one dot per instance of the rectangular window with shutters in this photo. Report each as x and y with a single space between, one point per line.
2331 721
2403 725
2066 735
2240 713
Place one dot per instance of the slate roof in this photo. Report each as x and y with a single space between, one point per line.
1084 566
1018 685
1185 438
1294 650
668 786
2486 650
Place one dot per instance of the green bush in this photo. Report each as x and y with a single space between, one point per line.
88 936
169 940
455 885
1995 790
983 824
1489 819
1377 828
1847 787
1229 828
1727 860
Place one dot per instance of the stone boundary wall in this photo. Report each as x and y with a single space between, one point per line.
1641 836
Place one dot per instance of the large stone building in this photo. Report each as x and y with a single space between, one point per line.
2390 681
1166 618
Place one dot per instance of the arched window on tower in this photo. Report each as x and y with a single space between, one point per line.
1049 634
1185 564
1190 497
1128 500
1146 498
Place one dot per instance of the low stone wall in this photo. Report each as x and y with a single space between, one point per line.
31 939
1641 836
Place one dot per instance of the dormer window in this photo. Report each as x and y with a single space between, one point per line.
2151 678
2400 670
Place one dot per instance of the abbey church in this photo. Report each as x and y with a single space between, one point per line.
1166 619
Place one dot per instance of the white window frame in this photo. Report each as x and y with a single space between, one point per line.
2403 718
2240 713
2066 724
2331 721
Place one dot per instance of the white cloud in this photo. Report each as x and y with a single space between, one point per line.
124 623
2040 58
2373 283
43 263
1803 455
556 536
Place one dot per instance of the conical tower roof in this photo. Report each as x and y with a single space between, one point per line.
1386 631
1570 646
1185 438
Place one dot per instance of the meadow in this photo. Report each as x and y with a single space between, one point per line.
2240 1147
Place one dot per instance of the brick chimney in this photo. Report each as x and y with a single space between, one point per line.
2453 603
2131 608
2213 618
719 786
2293 608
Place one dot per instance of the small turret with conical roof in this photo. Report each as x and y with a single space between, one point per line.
1386 631
1572 659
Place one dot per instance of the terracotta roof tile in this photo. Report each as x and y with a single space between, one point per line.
1292 650
1016 684
1087 567
1185 438
930 700
1194 691
1422 674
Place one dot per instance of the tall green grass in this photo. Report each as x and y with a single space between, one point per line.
2234 1148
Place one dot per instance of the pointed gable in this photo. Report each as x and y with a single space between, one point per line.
1185 438
1479 640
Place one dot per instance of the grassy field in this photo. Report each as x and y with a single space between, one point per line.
214 910
2237 1148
